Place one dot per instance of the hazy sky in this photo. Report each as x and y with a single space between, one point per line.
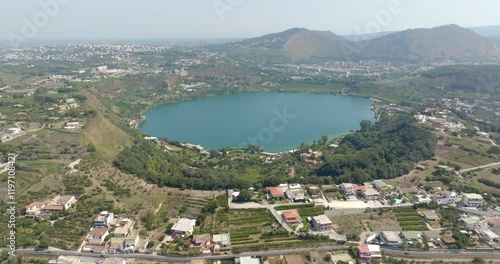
110 19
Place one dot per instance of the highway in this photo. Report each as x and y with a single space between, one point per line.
56 253
441 254
397 253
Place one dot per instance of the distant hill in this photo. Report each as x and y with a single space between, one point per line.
449 42
439 43
293 44
367 36
487 31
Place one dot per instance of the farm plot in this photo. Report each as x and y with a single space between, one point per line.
409 219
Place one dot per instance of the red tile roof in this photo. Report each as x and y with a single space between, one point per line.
363 249
291 214
276 191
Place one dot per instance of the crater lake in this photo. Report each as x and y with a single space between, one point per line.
275 121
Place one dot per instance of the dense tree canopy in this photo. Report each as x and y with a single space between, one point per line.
387 149
147 161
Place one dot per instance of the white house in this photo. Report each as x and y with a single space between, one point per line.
322 223
348 189
72 125
375 251
472 200
104 219
97 235
222 242
13 131
391 239
444 197
184 226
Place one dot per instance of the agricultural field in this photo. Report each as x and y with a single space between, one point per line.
464 151
409 219
304 210
352 225
251 229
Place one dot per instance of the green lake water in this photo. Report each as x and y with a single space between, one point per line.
275 121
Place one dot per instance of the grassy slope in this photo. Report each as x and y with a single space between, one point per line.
108 138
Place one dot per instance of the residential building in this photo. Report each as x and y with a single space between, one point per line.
472 200
104 219
70 100
13 131
34 209
222 243
489 235
391 239
375 252
432 238
55 205
204 242
97 235
72 125
347 189
470 222
370 194
116 244
67 201
275 192
379 185
321 223
184 226
131 241
248 260
295 193
364 253
409 236
291 217
483 134
52 208
429 216
99 249
408 190
444 197
123 228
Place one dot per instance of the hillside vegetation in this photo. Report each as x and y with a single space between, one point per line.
387 149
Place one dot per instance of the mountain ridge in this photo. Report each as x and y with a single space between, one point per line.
447 42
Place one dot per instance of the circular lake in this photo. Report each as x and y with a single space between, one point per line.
275 121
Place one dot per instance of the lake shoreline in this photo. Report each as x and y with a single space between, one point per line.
332 136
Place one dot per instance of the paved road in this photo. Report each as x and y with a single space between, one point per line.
56 253
436 255
481 167
398 253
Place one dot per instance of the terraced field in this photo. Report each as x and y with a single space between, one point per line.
409 219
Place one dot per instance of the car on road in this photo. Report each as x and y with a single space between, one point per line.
407 253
